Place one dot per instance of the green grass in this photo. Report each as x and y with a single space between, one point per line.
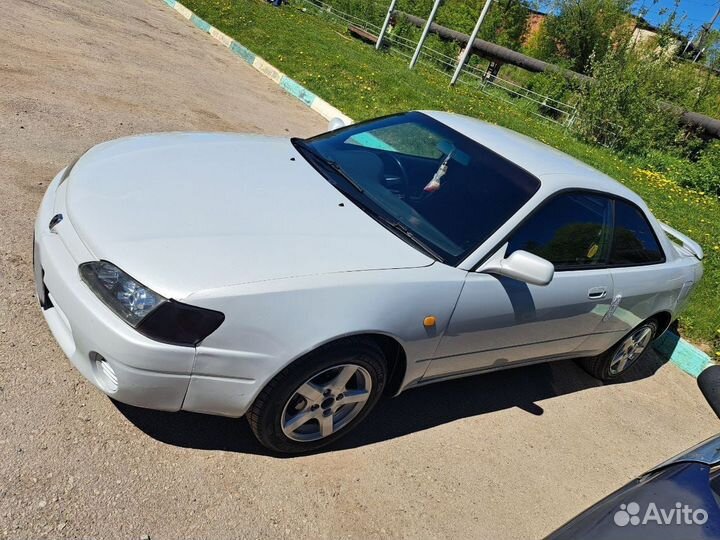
364 83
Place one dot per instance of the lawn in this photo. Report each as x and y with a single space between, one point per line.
364 83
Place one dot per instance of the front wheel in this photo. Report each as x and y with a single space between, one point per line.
616 361
319 398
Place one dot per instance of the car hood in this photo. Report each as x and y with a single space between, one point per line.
183 213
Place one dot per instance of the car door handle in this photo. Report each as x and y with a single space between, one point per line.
597 293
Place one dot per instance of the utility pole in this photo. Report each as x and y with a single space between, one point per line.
703 35
425 31
393 3
470 42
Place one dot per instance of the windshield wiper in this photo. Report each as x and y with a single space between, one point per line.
329 163
396 225
389 223
335 166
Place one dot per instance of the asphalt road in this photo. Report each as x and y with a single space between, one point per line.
506 455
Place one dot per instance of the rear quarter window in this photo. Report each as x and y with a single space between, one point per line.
634 241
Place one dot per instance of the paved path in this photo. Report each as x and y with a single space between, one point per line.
506 455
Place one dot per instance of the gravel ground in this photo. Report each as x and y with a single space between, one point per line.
506 455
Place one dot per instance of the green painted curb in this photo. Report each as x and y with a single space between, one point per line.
687 357
292 87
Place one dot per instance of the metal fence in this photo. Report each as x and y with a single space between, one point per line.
546 107
396 44
323 8
480 77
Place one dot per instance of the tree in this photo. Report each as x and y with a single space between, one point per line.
711 56
506 23
580 29
623 107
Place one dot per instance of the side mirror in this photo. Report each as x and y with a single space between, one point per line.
709 383
522 266
336 123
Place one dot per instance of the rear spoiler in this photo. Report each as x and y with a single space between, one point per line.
690 245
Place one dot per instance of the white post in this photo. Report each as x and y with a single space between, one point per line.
686 47
698 54
393 3
470 42
704 33
415 57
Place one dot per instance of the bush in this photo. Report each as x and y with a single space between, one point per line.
623 107
702 175
557 90
695 87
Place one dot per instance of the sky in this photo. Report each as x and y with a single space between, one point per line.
692 14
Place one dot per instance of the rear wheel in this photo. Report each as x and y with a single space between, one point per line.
623 355
319 398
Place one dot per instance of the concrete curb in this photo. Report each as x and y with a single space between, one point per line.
292 87
681 353
687 357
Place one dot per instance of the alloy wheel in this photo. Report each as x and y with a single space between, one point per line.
630 349
326 403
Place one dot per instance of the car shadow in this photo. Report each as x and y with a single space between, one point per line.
414 410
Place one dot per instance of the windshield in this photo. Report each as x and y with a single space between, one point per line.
441 190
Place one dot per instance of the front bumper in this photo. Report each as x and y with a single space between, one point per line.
113 356
137 370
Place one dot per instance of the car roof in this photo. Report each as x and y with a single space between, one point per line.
556 170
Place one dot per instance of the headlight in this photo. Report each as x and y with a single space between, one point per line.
148 312
129 299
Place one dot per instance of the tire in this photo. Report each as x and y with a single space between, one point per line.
609 365
291 413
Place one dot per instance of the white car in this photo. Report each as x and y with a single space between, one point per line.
296 281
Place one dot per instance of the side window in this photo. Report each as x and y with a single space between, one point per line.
633 240
407 138
570 231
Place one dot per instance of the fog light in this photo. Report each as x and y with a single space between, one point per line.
104 373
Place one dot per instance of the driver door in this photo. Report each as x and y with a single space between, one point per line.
500 321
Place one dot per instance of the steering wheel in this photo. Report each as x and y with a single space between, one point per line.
398 182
